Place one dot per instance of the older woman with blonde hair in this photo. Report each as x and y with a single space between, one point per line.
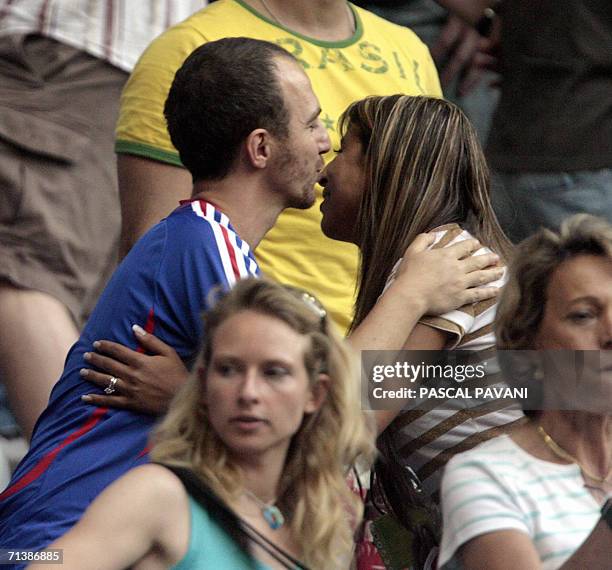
532 499
252 457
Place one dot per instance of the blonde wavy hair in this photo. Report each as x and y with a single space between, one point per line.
313 492
424 168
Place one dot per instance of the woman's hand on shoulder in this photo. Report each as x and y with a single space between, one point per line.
447 278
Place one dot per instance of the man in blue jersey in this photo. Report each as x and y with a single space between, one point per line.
246 123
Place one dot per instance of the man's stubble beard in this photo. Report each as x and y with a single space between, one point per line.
291 165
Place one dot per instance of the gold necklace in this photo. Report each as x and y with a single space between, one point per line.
560 452
349 13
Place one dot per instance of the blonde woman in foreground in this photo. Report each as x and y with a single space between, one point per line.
256 447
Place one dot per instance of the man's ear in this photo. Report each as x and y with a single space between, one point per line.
318 393
258 148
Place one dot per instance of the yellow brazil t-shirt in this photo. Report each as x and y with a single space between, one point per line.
380 58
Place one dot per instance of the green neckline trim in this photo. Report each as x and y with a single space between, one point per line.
148 151
344 43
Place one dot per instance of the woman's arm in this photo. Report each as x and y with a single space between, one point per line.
511 549
595 552
500 550
479 506
147 507
432 281
422 337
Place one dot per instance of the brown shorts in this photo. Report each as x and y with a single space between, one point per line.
59 206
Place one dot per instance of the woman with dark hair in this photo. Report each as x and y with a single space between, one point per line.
267 427
406 165
531 499
409 165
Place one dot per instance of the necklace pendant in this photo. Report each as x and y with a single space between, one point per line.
273 516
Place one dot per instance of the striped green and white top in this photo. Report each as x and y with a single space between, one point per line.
499 486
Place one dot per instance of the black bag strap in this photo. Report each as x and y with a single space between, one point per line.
213 505
240 531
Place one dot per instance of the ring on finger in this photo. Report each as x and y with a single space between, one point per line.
112 383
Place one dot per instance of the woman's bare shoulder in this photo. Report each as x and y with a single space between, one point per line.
151 481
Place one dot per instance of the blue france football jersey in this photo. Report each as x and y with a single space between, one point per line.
164 284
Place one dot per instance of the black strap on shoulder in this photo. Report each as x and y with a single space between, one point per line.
213 505
240 531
